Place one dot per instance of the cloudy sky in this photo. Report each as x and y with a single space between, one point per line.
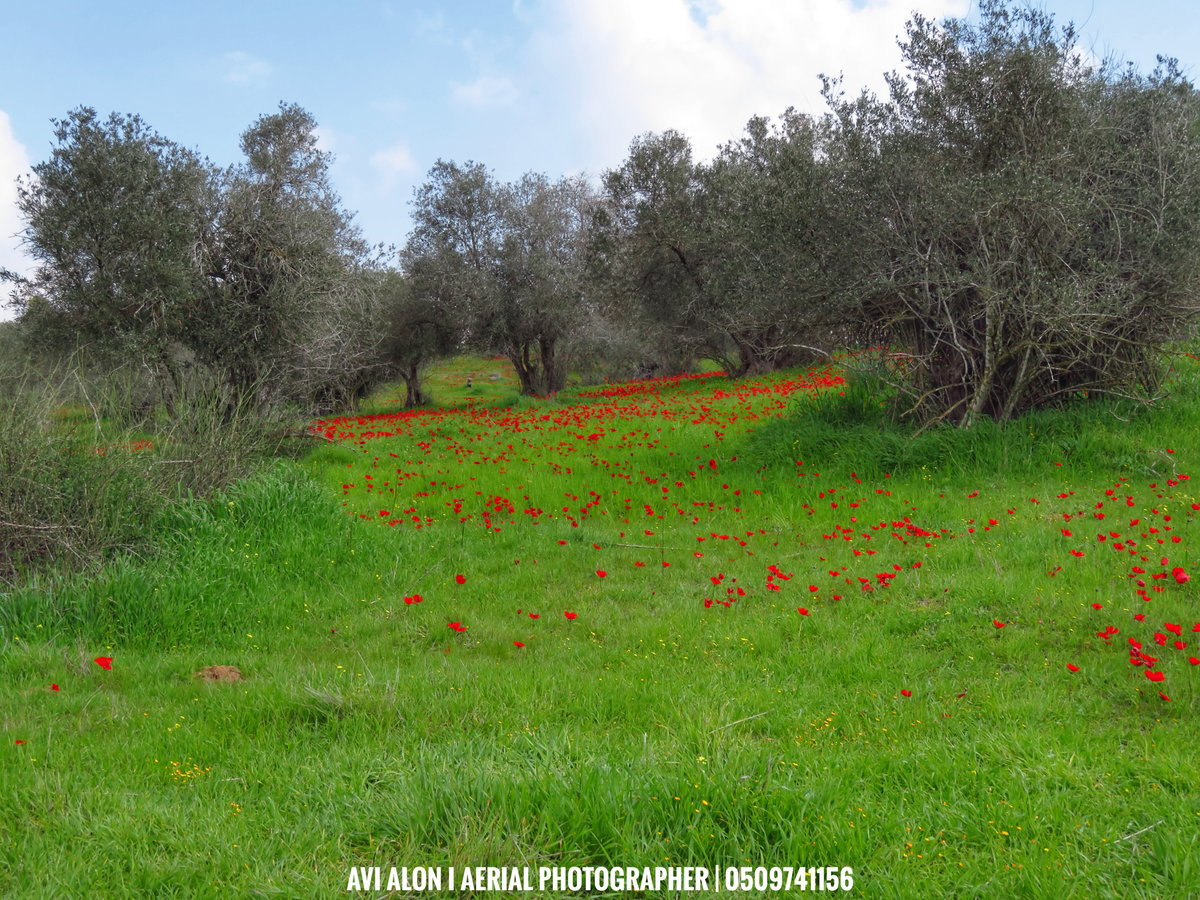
556 86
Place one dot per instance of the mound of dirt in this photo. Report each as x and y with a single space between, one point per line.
220 673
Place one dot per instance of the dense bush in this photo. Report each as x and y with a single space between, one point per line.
78 486
64 498
1026 225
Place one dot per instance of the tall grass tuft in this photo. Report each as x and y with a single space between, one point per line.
208 443
83 479
69 495
200 588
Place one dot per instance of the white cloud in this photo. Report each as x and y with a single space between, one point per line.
14 161
238 67
485 92
705 67
395 160
395 165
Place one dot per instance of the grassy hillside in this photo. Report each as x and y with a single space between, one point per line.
677 622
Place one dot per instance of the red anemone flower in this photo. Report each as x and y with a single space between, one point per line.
104 662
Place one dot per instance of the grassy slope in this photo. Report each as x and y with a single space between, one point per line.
651 729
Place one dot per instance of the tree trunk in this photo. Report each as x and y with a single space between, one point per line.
414 396
554 375
987 379
524 367
240 392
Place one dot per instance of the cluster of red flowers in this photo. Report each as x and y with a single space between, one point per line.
1144 538
595 440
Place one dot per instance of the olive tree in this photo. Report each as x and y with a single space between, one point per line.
540 300
279 264
1026 226
253 277
648 236
113 220
418 325
768 262
506 261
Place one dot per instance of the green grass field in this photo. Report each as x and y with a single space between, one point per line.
680 623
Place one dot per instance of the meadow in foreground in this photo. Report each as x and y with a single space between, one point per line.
671 622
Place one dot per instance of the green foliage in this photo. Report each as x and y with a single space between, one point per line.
505 262
649 727
768 265
856 430
1008 206
71 495
113 219
81 483
739 259
282 306
419 325
647 246
150 258
198 587
1023 225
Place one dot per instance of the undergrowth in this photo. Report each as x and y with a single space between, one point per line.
852 428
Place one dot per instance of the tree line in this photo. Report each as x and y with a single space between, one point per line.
1016 223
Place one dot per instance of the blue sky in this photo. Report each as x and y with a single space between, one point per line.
556 86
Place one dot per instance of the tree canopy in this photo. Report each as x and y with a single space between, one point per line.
509 260
1025 223
1017 224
